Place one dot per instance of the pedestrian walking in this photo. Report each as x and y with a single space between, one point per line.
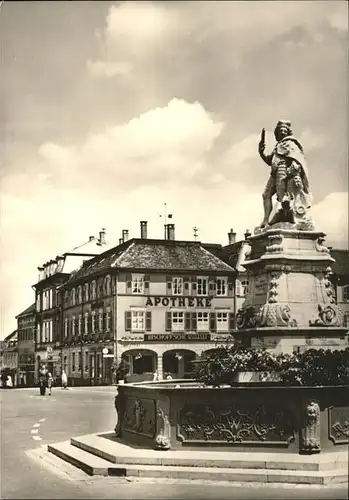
43 379
49 383
64 380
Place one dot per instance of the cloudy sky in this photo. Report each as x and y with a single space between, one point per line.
112 109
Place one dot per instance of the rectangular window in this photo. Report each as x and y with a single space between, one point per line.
86 293
86 323
73 326
79 324
346 293
178 321
202 286
222 322
203 321
107 285
137 285
108 321
73 297
100 320
93 323
241 288
66 327
93 290
79 360
221 287
79 295
138 321
73 362
177 286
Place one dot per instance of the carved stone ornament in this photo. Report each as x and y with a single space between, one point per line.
163 429
275 244
247 317
139 416
319 245
285 268
310 432
329 315
235 424
338 423
275 314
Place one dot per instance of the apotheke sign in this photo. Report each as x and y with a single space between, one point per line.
179 301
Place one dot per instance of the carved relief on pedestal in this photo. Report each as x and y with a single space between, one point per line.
310 432
139 416
247 317
275 243
329 315
163 428
275 314
234 424
338 424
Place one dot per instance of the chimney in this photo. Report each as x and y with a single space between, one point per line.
247 234
124 235
121 241
231 237
170 232
144 230
91 238
102 237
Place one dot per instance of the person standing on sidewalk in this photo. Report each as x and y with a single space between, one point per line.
64 380
49 383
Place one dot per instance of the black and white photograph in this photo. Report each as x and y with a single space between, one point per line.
174 249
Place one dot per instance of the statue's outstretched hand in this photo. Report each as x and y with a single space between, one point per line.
261 145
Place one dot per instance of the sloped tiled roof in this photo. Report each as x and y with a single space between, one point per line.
155 254
231 253
341 266
27 311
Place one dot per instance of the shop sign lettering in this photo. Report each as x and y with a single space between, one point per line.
148 337
179 301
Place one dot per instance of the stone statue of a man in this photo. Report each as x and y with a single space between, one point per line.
289 175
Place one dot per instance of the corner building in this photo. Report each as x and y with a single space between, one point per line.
155 303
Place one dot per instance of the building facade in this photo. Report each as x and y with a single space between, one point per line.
155 303
26 346
9 357
48 305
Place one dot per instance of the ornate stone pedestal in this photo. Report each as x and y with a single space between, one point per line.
290 301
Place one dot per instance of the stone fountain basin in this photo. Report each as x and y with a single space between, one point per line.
253 417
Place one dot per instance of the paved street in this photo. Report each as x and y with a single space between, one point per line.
29 421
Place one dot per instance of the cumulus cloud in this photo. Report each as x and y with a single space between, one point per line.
108 69
331 216
160 145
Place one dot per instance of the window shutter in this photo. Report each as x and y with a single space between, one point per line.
230 287
104 321
187 322
213 322
169 285
212 287
194 285
186 286
146 283
128 284
231 321
89 324
128 320
82 325
148 321
193 321
168 321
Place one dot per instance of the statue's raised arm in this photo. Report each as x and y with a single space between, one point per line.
288 179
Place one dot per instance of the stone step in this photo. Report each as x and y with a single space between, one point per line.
93 465
117 452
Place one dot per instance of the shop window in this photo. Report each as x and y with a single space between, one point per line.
177 322
222 321
170 363
203 320
143 364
